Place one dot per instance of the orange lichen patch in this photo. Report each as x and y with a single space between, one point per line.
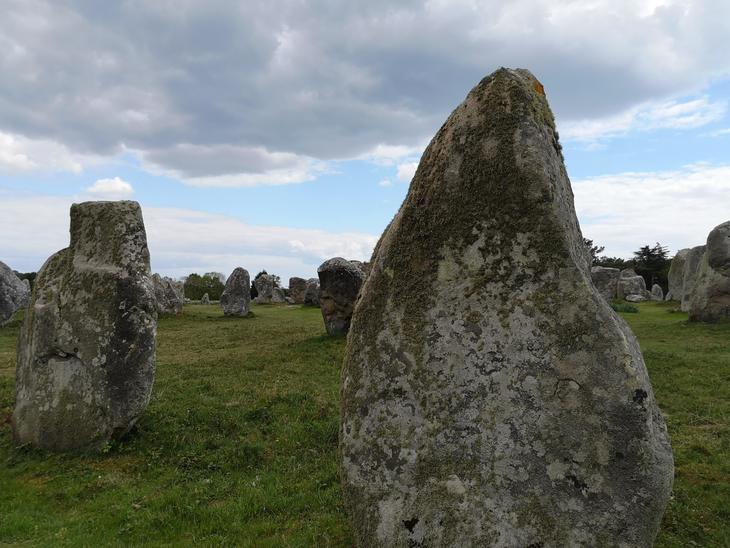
538 87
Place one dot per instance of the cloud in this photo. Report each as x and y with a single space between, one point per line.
687 114
257 91
20 154
676 208
407 171
385 183
181 241
111 189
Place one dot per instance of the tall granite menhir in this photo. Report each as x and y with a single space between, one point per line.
86 354
490 396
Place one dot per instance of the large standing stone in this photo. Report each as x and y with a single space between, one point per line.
311 296
86 354
710 300
490 396
236 298
657 293
14 293
692 265
606 281
339 284
168 297
676 274
297 289
630 283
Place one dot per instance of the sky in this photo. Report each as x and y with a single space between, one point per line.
275 134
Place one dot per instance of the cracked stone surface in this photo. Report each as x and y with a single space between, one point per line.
86 353
236 297
490 396
14 293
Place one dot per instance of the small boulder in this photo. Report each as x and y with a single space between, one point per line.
297 289
14 293
311 295
710 300
606 281
236 297
635 298
205 299
86 353
339 284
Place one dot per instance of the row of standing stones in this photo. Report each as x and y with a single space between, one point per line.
490 395
699 279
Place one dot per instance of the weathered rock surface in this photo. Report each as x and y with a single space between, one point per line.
205 299
675 278
277 295
86 354
339 284
606 281
657 293
236 297
264 285
490 396
635 298
311 295
168 297
14 293
630 283
689 276
297 289
710 300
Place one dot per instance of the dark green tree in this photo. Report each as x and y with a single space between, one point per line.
653 262
196 286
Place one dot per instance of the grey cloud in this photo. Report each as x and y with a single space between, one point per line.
325 80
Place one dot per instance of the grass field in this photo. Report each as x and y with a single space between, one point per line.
239 443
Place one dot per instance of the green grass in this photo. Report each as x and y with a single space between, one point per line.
239 443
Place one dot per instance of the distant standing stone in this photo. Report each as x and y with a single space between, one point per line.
675 278
14 293
169 299
311 295
630 283
236 297
606 281
264 285
86 354
205 299
490 396
297 289
689 276
277 295
657 293
339 284
710 300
